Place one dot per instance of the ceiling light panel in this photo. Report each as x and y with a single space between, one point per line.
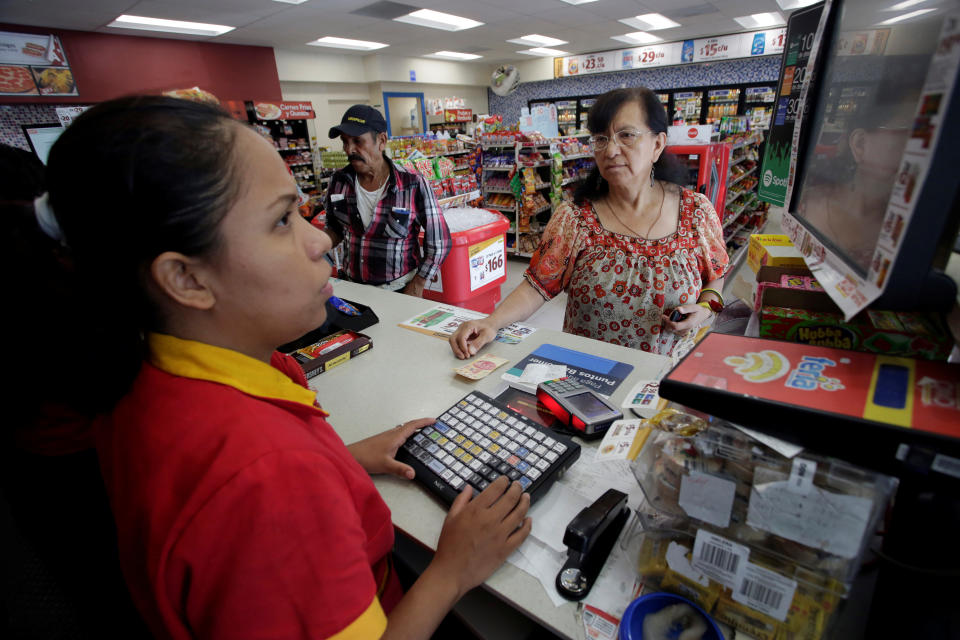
536 40
144 23
650 22
454 55
291 1
907 16
438 20
347 43
544 51
761 20
638 37
579 1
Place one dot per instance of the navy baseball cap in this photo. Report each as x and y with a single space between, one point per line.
359 119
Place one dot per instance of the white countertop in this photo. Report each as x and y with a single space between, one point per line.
409 375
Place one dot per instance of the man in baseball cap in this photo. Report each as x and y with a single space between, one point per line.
378 211
359 119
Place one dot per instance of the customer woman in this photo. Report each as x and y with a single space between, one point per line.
239 512
631 249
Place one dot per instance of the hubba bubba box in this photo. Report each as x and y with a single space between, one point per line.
792 306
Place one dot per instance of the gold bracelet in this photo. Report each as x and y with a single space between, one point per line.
713 291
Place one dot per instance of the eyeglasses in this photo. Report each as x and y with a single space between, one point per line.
625 138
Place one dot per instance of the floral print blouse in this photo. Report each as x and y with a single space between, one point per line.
619 285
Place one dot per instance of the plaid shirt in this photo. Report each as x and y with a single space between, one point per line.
389 248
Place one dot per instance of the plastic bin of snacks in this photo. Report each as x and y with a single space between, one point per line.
767 535
477 264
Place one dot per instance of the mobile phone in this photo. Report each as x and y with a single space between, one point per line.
577 406
676 315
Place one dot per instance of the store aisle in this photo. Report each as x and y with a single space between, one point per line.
550 315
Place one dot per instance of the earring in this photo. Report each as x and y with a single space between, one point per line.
652 172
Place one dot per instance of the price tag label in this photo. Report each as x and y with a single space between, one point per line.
766 591
719 558
487 262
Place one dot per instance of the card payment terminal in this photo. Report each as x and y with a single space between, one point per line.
578 407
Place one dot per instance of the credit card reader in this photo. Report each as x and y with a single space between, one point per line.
583 410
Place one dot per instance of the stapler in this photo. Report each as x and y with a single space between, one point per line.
589 537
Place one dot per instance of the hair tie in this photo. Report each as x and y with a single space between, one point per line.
45 218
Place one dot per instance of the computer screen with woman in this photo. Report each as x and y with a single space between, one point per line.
875 187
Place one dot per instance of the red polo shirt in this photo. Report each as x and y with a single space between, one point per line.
240 513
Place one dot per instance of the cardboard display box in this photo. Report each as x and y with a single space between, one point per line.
334 342
331 351
773 250
811 317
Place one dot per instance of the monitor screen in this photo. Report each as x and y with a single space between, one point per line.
861 122
42 137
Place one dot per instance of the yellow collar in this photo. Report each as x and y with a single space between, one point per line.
201 361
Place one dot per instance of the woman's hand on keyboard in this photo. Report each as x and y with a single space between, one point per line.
377 454
479 534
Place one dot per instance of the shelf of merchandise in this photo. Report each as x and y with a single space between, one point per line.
500 207
487 189
577 156
299 164
541 168
293 148
508 167
750 151
741 251
741 177
567 181
459 200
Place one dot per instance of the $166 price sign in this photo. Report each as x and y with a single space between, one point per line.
487 262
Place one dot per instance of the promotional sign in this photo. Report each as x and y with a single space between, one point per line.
487 261
67 114
34 65
284 110
774 173
738 45
457 115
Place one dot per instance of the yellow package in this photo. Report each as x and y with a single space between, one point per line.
706 597
746 619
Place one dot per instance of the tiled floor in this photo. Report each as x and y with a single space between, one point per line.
550 315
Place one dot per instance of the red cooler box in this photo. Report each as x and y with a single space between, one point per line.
475 268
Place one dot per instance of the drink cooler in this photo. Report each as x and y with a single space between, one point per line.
455 271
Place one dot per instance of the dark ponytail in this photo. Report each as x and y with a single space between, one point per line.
602 113
129 179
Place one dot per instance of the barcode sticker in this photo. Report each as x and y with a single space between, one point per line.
719 558
766 591
946 464
801 475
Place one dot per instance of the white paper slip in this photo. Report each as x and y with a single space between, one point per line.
784 448
553 512
543 563
644 399
536 372
833 522
707 497
618 440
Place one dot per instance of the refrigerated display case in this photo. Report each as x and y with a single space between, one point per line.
585 104
758 106
687 106
566 116
720 103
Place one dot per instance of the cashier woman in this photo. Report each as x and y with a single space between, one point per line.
239 511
